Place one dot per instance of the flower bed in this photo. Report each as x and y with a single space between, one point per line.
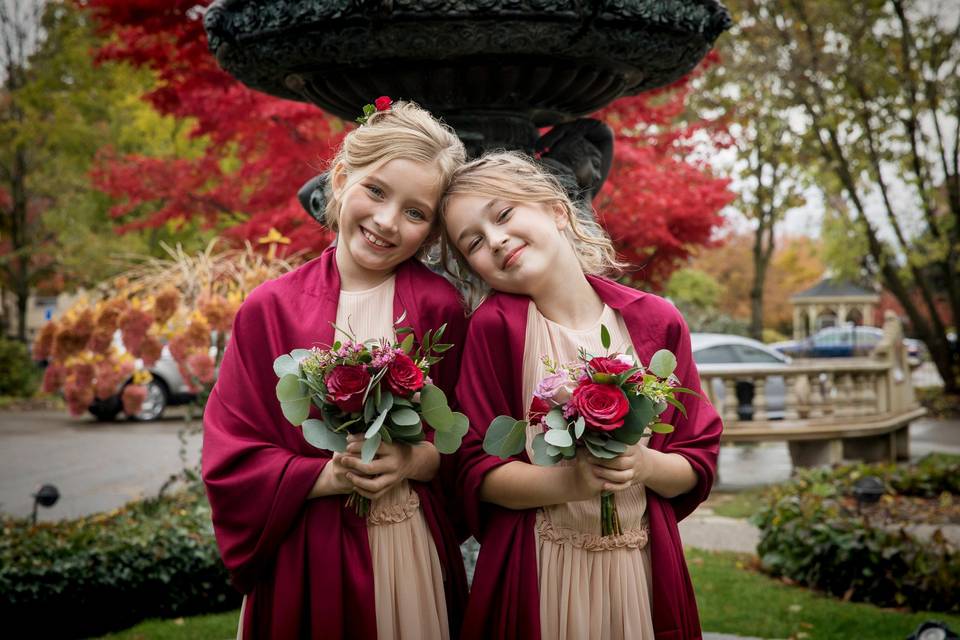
153 558
812 532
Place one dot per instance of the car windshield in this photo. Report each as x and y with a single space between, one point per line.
749 354
719 354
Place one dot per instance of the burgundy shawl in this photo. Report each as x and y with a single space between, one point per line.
504 598
305 564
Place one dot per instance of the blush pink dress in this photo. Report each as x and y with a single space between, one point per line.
407 577
590 586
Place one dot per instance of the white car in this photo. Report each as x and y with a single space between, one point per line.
167 388
726 352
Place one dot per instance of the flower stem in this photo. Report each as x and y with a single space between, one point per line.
609 517
360 504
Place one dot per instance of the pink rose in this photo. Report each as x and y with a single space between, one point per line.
555 388
403 376
603 406
383 103
345 387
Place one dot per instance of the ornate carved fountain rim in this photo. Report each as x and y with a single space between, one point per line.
339 54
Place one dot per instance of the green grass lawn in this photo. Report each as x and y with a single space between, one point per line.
732 599
739 504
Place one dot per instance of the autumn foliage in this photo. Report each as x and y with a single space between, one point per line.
185 302
658 204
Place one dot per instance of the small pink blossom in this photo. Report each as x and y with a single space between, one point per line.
555 388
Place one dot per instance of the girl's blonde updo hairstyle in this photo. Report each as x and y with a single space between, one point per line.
405 130
515 177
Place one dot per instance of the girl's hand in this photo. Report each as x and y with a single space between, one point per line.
588 483
332 480
622 472
393 464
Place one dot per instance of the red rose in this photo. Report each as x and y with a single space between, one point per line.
538 409
602 406
345 387
383 103
608 365
403 376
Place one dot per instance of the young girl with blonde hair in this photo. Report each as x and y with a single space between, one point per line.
309 566
544 570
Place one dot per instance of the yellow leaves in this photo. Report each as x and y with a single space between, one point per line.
142 376
274 237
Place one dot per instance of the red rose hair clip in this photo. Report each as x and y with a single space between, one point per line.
383 103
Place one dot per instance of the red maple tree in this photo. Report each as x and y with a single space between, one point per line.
658 203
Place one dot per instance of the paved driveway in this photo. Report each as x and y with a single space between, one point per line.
96 466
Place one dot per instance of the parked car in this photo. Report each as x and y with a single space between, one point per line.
846 342
719 351
166 388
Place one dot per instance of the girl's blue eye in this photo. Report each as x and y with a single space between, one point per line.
375 190
503 215
416 214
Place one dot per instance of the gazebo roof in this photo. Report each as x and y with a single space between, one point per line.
830 288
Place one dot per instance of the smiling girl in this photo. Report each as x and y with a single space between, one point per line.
308 566
544 570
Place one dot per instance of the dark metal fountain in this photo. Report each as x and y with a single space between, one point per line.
496 70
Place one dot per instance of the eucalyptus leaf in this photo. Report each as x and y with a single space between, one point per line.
505 437
663 363
615 446
375 427
385 402
369 448
555 420
316 433
369 409
404 416
296 411
579 427
599 452
595 439
285 365
558 438
434 408
449 441
540 455
289 387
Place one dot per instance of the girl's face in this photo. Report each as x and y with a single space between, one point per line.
513 246
386 215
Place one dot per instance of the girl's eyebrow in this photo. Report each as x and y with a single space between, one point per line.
487 207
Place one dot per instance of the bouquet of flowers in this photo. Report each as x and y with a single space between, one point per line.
379 388
603 403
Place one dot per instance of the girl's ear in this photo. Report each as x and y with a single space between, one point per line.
560 216
338 180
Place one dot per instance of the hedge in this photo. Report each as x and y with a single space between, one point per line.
809 535
152 558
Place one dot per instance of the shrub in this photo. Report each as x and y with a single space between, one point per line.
108 571
20 375
809 534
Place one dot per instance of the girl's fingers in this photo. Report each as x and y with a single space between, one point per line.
620 462
614 476
608 486
373 486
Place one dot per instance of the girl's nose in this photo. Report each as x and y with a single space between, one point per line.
499 241
386 217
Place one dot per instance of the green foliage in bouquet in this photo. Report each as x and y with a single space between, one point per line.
387 411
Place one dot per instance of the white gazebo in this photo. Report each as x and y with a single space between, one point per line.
832 303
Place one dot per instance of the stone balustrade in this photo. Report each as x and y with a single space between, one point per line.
828 409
